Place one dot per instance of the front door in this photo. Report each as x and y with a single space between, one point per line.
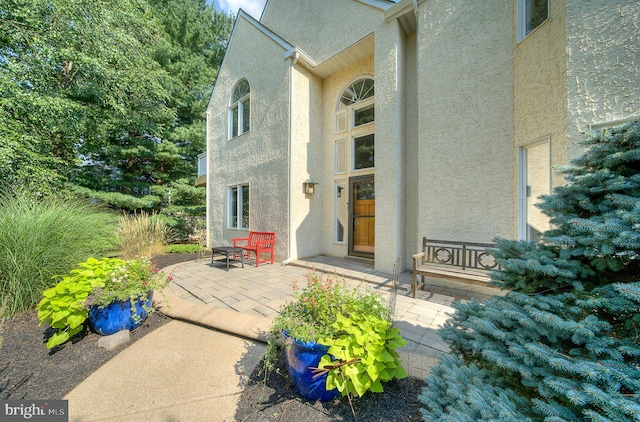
363 216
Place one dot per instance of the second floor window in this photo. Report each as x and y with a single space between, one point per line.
240 110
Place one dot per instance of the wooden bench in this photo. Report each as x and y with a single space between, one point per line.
259 243
458 261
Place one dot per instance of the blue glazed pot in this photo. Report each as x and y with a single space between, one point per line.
299 357
117 316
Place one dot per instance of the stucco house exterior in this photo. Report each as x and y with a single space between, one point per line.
437 118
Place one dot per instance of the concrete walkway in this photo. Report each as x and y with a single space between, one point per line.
193 369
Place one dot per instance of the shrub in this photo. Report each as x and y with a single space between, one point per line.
563 345
183 248
185 222
65 306
142 235
42 238
355 325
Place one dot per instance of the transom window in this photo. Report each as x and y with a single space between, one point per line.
240 110
238 199
531 14
357 103
358 91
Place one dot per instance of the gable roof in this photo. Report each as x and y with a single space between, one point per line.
352 54
260 27
380 4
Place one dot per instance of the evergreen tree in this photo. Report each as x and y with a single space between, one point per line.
564 343
106 97
142 168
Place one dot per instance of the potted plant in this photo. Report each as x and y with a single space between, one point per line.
113 293
337 340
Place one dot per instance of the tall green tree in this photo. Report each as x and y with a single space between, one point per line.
106 97
563 345
74 76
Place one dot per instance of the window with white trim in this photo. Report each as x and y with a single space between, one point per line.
240 110
363 152
341 121
238 200
340 157
531 14
359 92
362 116
341 211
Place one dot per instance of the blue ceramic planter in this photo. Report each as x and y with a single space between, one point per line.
299 357
117 316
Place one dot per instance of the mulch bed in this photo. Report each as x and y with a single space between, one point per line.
277 400
29 371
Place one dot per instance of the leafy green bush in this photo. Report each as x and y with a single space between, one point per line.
142 235
563 344
356 325
65 306
183 248
184 221
42 238
363 355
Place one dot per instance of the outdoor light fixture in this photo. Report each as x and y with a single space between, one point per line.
309 187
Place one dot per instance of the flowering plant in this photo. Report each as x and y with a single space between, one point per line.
98 282
129 280
311 315
354 324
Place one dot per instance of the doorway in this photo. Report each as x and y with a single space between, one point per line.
535 180
362 212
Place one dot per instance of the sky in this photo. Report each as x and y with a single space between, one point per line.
252 7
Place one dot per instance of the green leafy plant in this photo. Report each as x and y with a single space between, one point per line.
1 323
183 248
40 238
65 306
363 356
129 280
355 324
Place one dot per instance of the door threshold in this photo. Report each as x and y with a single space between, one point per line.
363 259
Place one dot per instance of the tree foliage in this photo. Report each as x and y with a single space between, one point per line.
563 345
106 97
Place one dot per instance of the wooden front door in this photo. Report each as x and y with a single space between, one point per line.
363 216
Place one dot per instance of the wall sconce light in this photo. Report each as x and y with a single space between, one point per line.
309 187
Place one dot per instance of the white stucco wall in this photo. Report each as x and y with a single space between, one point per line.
307 150
321 28
603 56
390 145
580 67
260 156
466 163
540 92
410 164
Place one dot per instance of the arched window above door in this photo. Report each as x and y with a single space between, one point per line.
356 103
358 91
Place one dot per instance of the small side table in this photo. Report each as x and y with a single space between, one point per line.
229 253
